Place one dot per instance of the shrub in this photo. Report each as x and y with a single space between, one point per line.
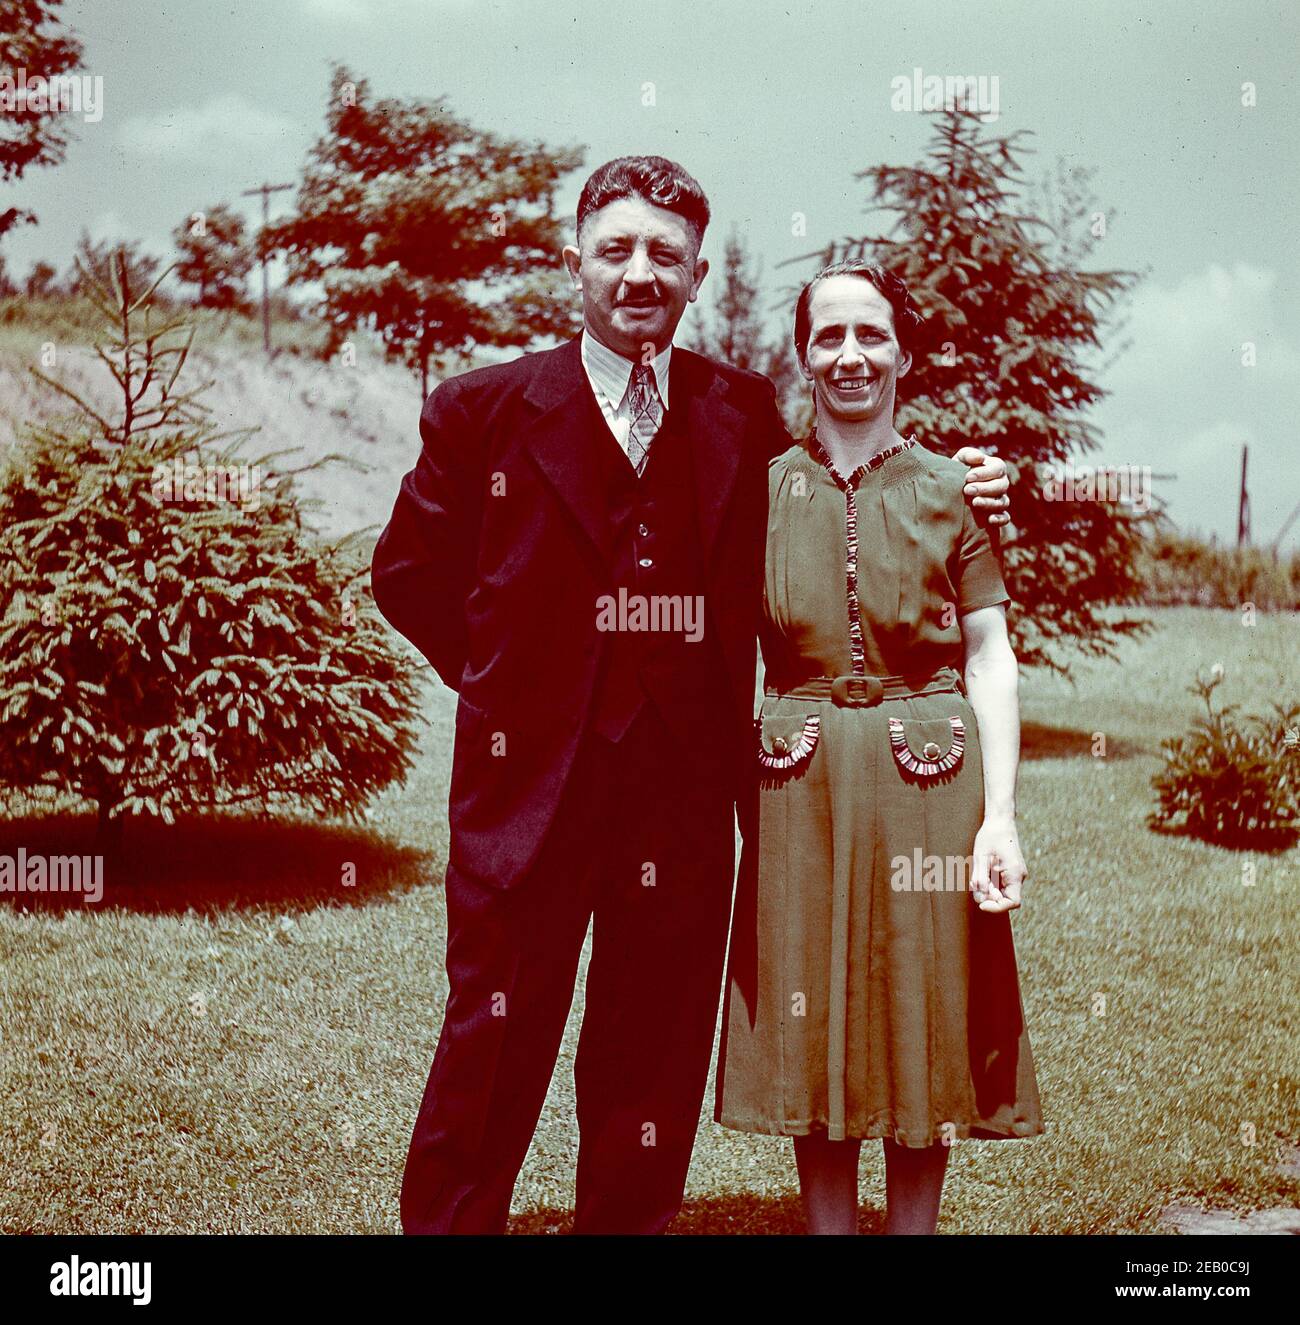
1229 780
1177 570
166 651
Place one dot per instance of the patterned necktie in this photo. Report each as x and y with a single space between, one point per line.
646 412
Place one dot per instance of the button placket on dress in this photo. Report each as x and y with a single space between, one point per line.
845 842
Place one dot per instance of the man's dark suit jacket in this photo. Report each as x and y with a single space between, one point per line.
498 549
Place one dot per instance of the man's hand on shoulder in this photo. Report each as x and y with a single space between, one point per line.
986 486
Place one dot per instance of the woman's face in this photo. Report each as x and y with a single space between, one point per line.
852 358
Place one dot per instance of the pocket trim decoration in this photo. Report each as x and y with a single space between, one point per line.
789 756
927 765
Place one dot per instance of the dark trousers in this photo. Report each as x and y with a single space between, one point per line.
644 840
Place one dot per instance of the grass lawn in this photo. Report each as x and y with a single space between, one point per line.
235 1040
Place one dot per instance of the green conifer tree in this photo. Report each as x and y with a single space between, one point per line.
1004 364
174 636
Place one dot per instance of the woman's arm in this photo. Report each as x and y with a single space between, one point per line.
992 684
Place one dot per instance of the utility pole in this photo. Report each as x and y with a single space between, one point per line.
1243 504
265 190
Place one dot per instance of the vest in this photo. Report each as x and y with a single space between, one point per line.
661 648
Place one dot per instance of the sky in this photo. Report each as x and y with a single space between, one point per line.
774 106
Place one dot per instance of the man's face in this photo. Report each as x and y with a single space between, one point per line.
852 358
637 268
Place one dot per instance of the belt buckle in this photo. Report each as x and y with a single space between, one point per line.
869 690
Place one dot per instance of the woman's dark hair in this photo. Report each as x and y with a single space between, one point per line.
655 180
907 317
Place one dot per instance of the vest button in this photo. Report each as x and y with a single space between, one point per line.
647 562
642 530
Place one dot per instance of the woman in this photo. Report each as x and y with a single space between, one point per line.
872 987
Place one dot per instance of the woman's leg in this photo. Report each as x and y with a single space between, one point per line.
913 1186
828 1182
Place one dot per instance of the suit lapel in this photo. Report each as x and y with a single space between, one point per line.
562 443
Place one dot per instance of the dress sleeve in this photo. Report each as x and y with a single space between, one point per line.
976 575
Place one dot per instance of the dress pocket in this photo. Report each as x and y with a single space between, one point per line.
927 747
786 740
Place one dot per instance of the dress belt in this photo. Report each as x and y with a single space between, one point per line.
863 691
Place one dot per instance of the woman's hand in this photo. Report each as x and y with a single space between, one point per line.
999 866
986 485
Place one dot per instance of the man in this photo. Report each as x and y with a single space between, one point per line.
569 514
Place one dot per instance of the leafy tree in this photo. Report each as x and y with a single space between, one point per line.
436 235
174 637
31 39
41 281
792 391
215 255
734 333
1004 364
1076 220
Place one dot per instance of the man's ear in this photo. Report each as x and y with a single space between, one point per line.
573 264
904 362
701 271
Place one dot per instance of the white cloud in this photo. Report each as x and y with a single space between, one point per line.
229 127
109 228
1182 401
1200 324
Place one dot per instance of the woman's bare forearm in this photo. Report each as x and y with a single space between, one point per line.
992 685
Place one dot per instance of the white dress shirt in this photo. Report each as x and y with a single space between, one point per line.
609 375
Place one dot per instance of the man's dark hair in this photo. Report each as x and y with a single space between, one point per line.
907 317
654 179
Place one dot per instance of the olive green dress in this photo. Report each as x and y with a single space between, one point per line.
867 995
